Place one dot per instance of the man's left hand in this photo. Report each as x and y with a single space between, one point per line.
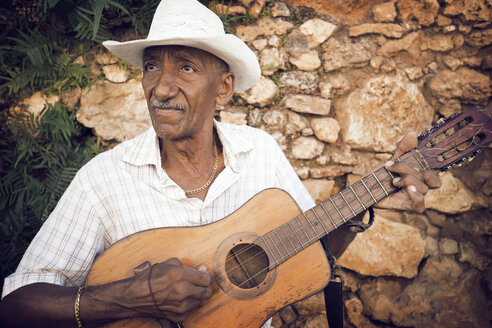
414 183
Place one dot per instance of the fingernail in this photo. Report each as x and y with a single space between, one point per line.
202 268
412 188
390 163
395 180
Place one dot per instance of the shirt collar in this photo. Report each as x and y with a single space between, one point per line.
144 149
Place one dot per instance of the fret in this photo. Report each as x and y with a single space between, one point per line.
375 177
417 157
295 234
369 191
391 174
282 242
288 238
310 223
341 215
270 251
341 194
274 244
302 228
328 215
319 220
356 196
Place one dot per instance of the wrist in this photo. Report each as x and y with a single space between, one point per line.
107 303
77 306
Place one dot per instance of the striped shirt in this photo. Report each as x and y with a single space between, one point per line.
125 190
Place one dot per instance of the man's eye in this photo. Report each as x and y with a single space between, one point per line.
150 67
188 69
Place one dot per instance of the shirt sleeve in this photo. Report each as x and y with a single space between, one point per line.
64 248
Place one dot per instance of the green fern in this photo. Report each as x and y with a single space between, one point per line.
62 74
69 74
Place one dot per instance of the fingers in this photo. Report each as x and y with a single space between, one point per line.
415 183
200 277
417 203
411 180
432 179
407 143
178 289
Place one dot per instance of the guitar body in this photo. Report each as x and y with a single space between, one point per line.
231 305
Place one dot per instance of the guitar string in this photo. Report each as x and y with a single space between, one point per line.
338 197
255 242
310 241
317 236
267 268
215 268
263 271
445 149
282 259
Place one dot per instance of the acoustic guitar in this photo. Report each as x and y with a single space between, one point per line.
265 255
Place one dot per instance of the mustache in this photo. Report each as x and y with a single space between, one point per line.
167 104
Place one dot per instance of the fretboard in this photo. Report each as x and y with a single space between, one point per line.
303 230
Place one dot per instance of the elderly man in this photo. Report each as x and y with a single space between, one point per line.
188 170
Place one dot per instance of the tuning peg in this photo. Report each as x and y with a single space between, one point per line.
441 121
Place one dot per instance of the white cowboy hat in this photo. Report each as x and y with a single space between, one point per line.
189 23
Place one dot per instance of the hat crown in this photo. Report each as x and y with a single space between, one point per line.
185 19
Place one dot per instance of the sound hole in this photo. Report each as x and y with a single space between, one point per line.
246 265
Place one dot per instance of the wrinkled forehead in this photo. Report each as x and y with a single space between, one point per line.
179 52
186 54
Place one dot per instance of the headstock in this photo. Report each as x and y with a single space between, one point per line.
457 138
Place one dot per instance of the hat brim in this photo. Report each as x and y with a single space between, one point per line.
241 60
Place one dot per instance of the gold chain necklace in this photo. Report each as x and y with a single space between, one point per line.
212 176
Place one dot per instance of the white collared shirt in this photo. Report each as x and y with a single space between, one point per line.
124 190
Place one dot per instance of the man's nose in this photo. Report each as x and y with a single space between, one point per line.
166 87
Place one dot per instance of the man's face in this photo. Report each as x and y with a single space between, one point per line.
181 85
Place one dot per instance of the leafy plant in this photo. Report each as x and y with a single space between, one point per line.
38 32
62 74
39 156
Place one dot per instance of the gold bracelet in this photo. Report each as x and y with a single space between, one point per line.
77 306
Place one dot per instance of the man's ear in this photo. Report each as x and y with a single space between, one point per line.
226 88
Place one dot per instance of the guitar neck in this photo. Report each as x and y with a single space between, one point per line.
308 227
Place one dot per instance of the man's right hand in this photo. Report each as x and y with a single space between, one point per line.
177 290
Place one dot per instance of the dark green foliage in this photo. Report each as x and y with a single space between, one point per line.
62 74
39 156
37 34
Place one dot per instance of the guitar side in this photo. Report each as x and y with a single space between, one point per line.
300 276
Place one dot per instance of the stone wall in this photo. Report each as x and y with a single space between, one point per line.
342 81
